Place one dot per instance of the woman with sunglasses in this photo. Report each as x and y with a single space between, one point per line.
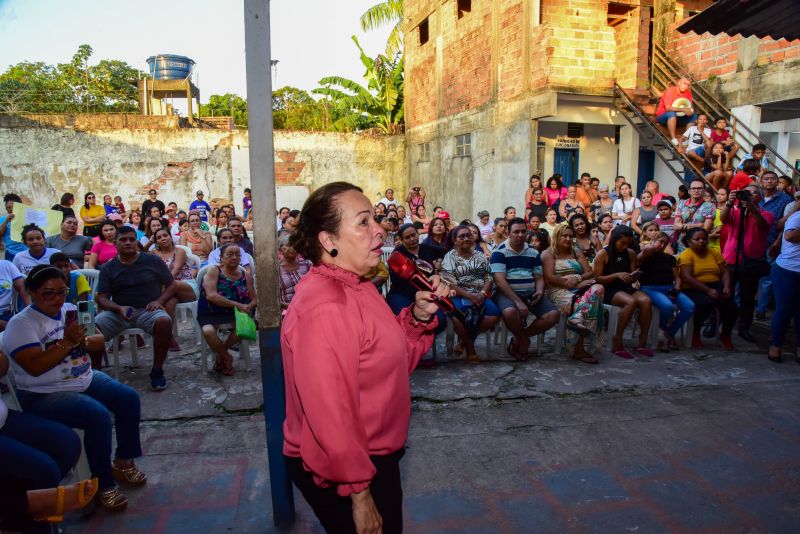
92 215
50 359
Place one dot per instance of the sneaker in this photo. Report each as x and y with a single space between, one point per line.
158 382
725 341
674 141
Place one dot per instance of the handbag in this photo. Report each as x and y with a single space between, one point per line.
245 325
472 320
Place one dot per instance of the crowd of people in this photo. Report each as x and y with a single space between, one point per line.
715 257
146 262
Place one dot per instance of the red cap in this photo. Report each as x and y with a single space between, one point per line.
444 215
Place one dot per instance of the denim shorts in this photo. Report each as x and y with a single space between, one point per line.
542 307
111 323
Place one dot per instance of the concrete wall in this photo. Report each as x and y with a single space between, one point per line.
41 163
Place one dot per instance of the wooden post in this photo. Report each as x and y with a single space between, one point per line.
265 235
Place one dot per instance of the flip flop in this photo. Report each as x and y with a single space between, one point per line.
622 353
775 359
579 328
644 351
513 352
586 359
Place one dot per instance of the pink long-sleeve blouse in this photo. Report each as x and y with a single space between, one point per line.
347 360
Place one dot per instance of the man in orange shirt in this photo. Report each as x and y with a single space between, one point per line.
585 194
667 115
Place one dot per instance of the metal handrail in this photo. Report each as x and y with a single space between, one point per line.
687 163
710 104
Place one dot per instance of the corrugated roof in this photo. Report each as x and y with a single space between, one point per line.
779 19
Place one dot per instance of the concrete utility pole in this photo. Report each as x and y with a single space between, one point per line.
265 235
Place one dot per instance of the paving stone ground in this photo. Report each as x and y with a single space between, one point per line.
690 441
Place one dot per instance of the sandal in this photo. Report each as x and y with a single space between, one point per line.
577 325
662 346
513 351
112 499
458 349
129 475
622 353
644 351
775 358
586 358
82 500
473 358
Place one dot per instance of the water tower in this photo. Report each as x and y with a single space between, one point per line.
170 77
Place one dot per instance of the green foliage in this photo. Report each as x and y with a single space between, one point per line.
378 105
77 86
294 109
227 105
387 12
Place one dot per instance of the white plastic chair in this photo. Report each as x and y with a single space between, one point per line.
244 345
131 334
92 276
188 310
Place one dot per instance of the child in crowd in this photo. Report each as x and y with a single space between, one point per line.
650 232
785 185
534 222
539 239
247 201
120 206
720 134
665 220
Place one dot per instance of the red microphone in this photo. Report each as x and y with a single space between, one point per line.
406 269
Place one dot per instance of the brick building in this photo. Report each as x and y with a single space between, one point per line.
496 89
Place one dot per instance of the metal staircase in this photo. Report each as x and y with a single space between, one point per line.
650 134
665 71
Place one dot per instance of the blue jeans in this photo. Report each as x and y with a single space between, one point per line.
764 293
666 308
398 301
91 411
664 117
786 286
37 450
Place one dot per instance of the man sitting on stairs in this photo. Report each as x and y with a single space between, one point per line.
670 115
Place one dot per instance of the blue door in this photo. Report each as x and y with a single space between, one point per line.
647 168
565 163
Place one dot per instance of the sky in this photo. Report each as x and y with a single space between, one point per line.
310 38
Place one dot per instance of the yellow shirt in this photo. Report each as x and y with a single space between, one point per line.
713 242
92 212
705 269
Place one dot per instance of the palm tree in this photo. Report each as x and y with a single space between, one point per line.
379 105
387 12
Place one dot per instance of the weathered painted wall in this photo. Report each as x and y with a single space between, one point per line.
40 163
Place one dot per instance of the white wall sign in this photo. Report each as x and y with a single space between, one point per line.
563 141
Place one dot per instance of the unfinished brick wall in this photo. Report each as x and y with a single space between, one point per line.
420 91
717 55
511 62
631 56
581 48
466 57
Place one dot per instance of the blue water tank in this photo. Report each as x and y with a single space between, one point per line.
170 67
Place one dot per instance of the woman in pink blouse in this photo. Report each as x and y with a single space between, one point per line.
105 246
347 361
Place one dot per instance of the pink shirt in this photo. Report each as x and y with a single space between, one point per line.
755 236
551 196
104 251
347 360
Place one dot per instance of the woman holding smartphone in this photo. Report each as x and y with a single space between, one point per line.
615 267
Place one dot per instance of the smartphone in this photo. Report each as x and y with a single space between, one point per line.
86 311
636 274
70 317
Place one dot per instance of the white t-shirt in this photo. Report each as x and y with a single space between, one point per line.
695 138
789 257
386 202
621 207
244 261
8 273
485 230
32 328
25 262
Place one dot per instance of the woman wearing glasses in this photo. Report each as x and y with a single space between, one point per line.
92 215
50 360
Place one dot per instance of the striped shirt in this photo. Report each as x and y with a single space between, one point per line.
521 269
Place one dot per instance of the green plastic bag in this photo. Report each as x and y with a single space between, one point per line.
245 325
